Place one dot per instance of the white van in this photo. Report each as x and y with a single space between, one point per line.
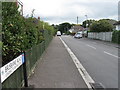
58 33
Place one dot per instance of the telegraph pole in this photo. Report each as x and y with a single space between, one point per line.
86 20
77 19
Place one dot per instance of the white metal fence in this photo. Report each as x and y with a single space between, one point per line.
106 36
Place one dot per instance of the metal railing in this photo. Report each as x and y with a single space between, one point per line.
16 80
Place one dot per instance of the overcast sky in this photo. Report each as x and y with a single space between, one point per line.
59 11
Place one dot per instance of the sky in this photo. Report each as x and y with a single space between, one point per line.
60 11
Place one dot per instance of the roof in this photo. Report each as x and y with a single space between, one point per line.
117 23
77 27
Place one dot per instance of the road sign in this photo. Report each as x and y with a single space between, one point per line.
9 68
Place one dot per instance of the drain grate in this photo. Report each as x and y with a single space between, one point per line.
97 86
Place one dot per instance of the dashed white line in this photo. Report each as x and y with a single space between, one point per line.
111 54
90 46
86 77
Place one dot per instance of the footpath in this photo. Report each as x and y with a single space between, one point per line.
56 69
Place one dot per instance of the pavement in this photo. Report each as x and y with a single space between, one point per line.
56 69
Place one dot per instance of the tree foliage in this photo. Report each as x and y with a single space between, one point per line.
19 33
0 11
101 26
87 23
12 30
64 27
111 21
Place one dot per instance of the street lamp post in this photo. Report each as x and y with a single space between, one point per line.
86 20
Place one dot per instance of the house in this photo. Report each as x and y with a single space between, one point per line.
76 29
117 24
20 5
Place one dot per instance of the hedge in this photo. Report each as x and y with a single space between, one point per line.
19 33
116 37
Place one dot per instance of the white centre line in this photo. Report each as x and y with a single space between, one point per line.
90 46
86 77
111 54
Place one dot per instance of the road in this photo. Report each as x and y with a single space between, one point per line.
99 59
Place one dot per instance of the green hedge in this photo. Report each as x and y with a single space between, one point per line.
19 33
116 37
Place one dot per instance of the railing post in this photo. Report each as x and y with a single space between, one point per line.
25 71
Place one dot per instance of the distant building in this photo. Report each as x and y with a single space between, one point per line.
76 29
117 24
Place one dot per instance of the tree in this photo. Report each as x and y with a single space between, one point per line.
111 21
13 32
87 23
0 12
101 26
64 27
18 33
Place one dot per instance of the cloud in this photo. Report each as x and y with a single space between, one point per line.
57 11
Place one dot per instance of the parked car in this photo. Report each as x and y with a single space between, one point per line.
58 33
78 35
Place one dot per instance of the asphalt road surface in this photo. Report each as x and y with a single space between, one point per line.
98 58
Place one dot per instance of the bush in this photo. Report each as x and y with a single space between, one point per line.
116 37
18 33
13 36
68 33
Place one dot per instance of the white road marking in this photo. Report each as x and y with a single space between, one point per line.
86 77
111 54
90 46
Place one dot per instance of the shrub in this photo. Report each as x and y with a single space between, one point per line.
19 33
116 37
13 36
